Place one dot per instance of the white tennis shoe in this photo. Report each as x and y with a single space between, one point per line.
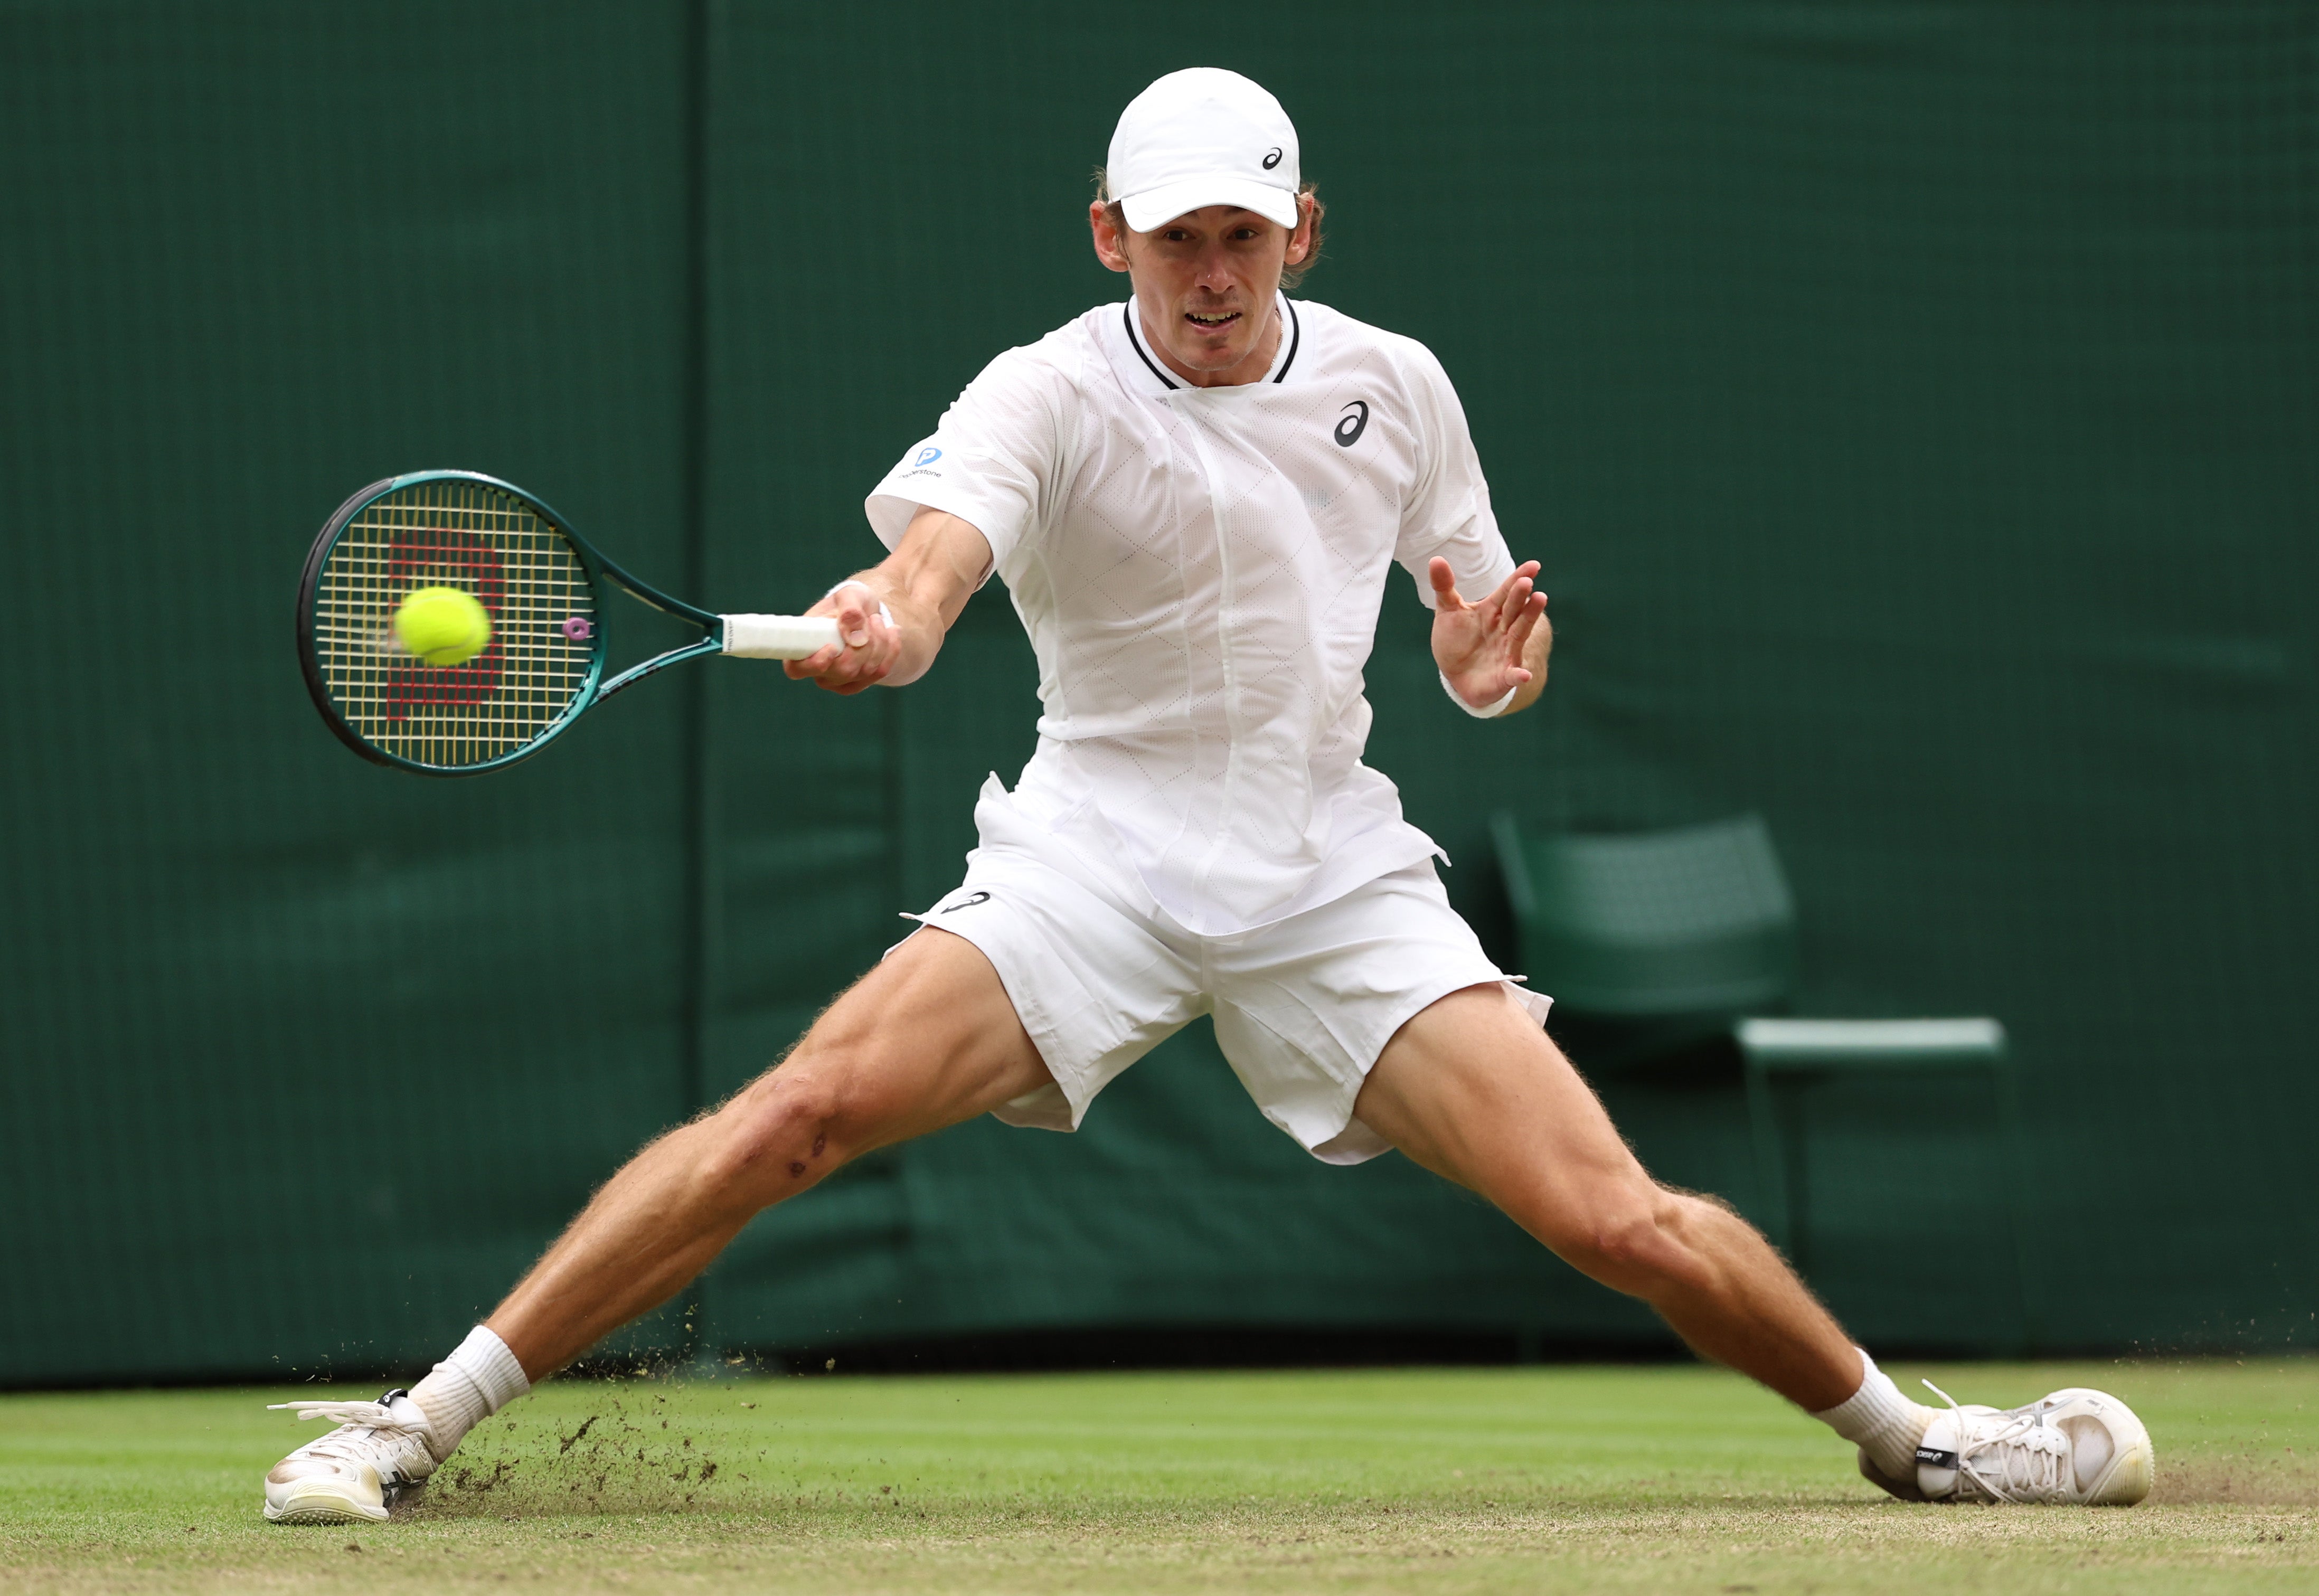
2076 1445
378 1455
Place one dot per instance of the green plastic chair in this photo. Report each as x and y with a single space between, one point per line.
1675 935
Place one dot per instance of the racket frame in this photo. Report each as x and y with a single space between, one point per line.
593 690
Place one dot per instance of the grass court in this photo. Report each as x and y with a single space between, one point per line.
1552 1479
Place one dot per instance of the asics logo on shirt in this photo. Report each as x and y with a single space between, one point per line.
1350 430
1273 160
966 902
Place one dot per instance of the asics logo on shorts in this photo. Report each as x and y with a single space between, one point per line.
967 902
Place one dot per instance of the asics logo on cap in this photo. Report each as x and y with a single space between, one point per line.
1273 160
1350 430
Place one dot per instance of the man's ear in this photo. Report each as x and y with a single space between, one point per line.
1110 248
1300 238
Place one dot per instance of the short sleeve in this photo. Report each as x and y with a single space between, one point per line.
1449 513
993 460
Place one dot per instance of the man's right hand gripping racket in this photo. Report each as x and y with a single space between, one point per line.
374 617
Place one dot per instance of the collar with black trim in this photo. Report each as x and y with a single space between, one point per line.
1159 379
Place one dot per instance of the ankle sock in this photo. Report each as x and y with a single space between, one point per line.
479 1378
1881 1421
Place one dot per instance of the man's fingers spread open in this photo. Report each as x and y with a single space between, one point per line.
1507 601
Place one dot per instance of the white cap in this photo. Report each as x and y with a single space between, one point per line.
1200 137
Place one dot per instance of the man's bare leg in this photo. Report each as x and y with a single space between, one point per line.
1475 1091
925 1039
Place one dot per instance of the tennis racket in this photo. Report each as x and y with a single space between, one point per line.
541 586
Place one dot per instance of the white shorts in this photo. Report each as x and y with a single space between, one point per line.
1303 1007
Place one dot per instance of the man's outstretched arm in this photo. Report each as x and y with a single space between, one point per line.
892 618
1499 644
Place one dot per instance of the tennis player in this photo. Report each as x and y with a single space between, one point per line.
1196 500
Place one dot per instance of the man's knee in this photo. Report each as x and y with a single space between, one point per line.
781 1133
1642 1236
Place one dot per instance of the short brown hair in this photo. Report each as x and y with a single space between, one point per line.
1291 274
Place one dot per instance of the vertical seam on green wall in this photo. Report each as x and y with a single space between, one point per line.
700 898
896 795
700 888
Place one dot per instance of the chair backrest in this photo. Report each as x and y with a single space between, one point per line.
1698 921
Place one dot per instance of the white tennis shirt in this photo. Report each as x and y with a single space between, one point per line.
1200 571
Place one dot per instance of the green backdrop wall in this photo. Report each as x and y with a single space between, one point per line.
1913 406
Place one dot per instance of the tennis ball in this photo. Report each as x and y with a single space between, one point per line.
442 625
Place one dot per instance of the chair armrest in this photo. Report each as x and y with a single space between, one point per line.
1868 1044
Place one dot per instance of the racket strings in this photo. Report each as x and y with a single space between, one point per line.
529 582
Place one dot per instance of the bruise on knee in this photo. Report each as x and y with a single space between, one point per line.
798 1166
773 1119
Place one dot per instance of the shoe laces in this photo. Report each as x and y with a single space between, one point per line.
2014 1456
362 1421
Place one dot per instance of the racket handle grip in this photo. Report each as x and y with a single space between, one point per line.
777 637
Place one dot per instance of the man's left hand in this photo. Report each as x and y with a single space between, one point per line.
1501 643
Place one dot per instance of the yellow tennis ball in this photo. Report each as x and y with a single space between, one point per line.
443 626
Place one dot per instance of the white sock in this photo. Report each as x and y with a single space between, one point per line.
479 1378
1881 1421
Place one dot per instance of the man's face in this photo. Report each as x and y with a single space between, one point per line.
1204 283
